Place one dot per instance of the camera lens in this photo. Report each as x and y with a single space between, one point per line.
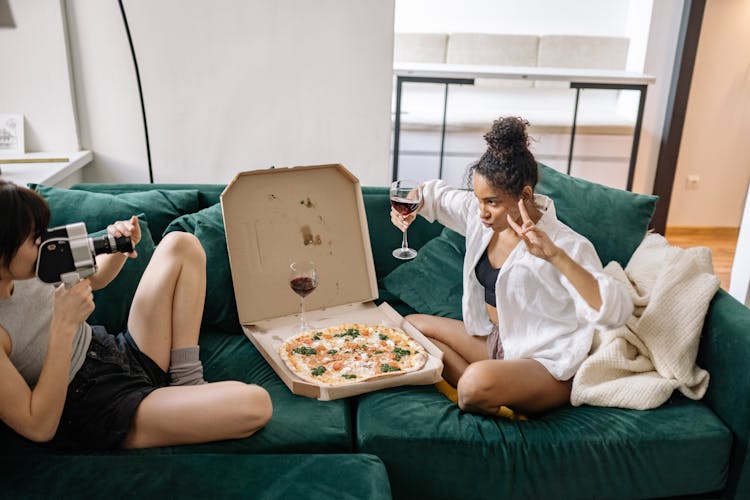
110 244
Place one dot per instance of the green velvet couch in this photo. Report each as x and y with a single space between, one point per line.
406 442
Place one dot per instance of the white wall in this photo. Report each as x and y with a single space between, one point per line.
739 283
659 62
238 85
637 26
228 85
107 93
539 17
35 79
715 141
625 18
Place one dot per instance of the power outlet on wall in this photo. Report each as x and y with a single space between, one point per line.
693 181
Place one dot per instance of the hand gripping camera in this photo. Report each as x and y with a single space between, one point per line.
67 254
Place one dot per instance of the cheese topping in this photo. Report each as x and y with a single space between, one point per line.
351 353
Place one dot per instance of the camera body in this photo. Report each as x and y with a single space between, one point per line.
67 254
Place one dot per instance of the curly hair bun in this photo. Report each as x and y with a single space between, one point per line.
507 136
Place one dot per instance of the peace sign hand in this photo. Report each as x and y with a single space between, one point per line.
537 241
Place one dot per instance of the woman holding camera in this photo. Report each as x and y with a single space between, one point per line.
79 387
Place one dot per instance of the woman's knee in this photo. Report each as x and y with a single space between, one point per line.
419 321
184 245
476 388
255 407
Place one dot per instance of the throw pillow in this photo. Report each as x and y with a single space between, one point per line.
613 220
208 194
220 308
432 283
113 301
98 210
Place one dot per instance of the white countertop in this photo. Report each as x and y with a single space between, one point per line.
32 167
439 70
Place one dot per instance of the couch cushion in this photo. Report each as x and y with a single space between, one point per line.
298 425
419 47
432 449
233 357
98 210
615 221
220 309
724 351
197 476
431 283
577 51
208 194
383 236
399 305
113 301
493 49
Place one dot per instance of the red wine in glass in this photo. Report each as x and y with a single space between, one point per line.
404 206
303 285
303 279
406 196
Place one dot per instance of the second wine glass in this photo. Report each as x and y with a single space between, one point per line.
405 199
303 279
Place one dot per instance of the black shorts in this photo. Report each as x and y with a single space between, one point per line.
104 394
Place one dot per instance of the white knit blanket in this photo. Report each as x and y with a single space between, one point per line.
640 364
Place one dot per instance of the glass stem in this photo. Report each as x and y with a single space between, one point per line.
404 242
302 312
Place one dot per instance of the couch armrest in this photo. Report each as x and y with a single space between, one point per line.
725 353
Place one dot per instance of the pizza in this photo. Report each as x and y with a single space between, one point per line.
350 353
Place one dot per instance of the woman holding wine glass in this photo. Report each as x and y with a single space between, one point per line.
405 198
534 290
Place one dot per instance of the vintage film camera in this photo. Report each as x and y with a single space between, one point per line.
67 254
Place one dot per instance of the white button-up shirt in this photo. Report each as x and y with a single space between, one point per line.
541 314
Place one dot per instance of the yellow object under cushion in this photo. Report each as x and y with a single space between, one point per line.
451 393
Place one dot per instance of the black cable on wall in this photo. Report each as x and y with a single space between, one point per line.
140 90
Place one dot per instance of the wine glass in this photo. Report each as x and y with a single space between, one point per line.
303 278
405 198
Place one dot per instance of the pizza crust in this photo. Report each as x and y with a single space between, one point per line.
351 353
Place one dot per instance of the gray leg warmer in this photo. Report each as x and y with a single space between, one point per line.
185 367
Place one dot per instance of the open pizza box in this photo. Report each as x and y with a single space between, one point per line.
274 217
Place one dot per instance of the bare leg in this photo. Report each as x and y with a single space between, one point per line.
168 305
524 385
198 414
165 315
453 364
459 347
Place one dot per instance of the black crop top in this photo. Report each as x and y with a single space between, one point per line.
487 276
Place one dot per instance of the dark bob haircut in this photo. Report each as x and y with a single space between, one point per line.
25 213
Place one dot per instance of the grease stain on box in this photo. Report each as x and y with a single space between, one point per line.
308 238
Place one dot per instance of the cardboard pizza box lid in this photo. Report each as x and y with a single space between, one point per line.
275 216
